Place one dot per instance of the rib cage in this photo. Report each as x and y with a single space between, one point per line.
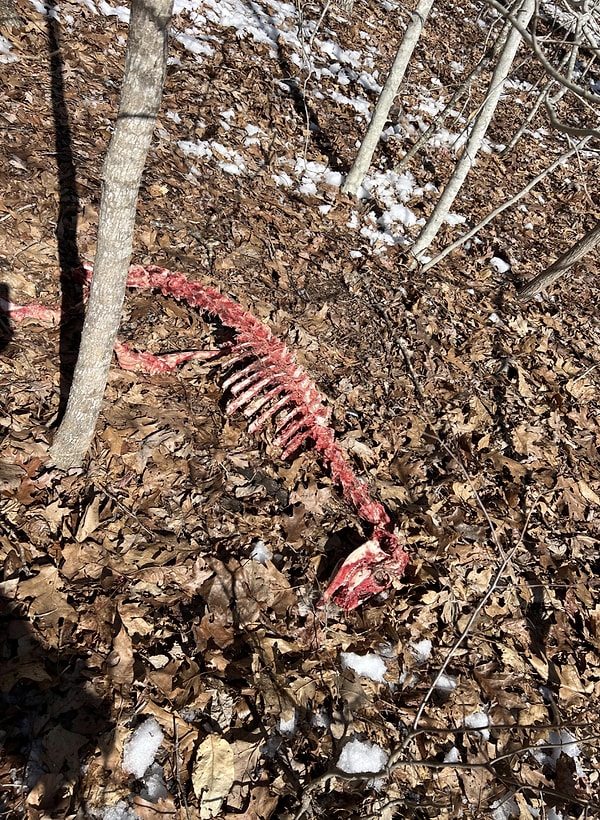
266 383
270 380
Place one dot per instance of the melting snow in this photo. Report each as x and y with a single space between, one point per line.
360 756
6 55
564 743
227 159
366 666
121 12
499 264
141 747
446 683
120 811
260 552
421 650
452 755
319 56
479 720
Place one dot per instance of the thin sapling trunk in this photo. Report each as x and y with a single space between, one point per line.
143 80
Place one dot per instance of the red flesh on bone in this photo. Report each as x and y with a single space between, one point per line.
271 382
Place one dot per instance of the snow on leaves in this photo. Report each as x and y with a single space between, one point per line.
150 602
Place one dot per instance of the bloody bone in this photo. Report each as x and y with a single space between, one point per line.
266 383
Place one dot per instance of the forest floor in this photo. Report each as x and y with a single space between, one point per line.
129 591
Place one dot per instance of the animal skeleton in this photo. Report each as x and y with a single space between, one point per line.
266 383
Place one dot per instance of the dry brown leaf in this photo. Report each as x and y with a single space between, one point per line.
213 774
48 604
119 664
11 476
261 805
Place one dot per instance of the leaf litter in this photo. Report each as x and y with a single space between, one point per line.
129 590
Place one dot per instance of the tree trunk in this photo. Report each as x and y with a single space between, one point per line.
546 278
141 93
9 17
489 56
509 203
386 98
465 163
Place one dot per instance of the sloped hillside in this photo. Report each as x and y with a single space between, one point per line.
163 648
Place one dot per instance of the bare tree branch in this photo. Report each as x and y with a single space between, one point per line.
543 280
509 202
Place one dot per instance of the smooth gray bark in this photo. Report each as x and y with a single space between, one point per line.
365 153
141 94
546 278
480 126
9 17
509 202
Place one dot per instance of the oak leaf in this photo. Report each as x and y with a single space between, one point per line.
213 775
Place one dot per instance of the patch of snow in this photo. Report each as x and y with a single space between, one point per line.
397 215
155 788
120 811
446 683
191 43
227 160
360 104
493 317
454 219
141 747
333 178
505 808
421 650
260 552
120 12
46 10
499 264
431 106
248 20
308 187
479 720
369 83
360 756
563 742
288 727
282 179
452 755
321 720
254 135
6 55
340 55
366 666
391 191
195 149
